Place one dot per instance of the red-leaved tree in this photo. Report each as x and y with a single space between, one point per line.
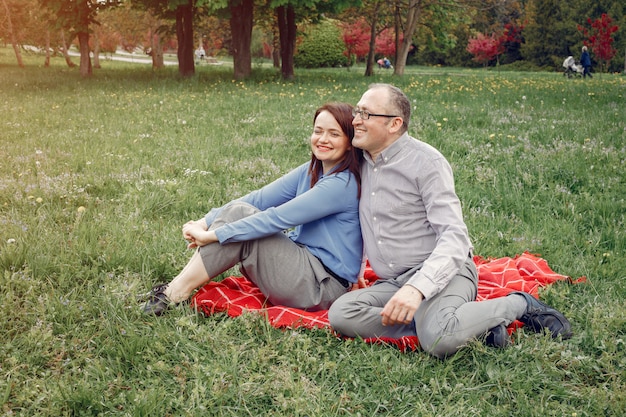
599 38
386 43
356 37
485 48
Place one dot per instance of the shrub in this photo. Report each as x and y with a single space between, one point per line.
321 47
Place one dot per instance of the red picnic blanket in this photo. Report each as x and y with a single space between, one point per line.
496 278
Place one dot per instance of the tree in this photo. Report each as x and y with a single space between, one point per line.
600 38
288 13
131 27
184 33
405 16
286 17
265 21
547 34
512 40
387 42
485 48
212 32
23 22
76 17
375 16
241 22
12 35
322 46
413 14
183 12
355 36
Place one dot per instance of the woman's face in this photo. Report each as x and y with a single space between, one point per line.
328 142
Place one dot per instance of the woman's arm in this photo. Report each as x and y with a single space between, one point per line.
271 195
333 194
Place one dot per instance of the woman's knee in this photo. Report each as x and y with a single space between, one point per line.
236 210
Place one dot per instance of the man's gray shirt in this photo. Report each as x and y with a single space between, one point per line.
410 215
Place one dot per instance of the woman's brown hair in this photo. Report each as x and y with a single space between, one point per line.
342 112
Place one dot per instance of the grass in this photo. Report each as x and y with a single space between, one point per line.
97 176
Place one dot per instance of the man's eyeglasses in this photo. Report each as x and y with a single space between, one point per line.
365 115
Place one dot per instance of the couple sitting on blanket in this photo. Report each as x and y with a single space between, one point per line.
370 190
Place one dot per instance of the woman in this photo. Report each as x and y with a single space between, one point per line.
585 61
312 264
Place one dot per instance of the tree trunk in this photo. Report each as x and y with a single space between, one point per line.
16 48
275 47
184 34
47 61
156 50
66 50
287 29
415 8
241 21
369 67
397 22
96 51
85 59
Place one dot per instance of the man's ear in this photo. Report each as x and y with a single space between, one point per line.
396 125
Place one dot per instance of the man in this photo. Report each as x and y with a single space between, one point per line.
418 245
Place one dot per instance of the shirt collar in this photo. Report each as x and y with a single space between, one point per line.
390 151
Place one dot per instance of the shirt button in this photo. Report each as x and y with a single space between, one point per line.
373 193
374 218
375 169
380 242
390 265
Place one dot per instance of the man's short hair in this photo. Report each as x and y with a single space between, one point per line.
399 101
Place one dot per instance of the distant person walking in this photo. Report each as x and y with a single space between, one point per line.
585 61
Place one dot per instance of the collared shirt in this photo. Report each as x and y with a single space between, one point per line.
411 216
324 218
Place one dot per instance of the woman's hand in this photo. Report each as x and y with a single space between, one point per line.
361 283
197 234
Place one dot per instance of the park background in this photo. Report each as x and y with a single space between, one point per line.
98 174
509 34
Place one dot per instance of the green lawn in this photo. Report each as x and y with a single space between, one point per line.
97 177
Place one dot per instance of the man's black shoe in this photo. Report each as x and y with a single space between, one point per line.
539 316
157 303
498 337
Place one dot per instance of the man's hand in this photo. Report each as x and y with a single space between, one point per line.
401 308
